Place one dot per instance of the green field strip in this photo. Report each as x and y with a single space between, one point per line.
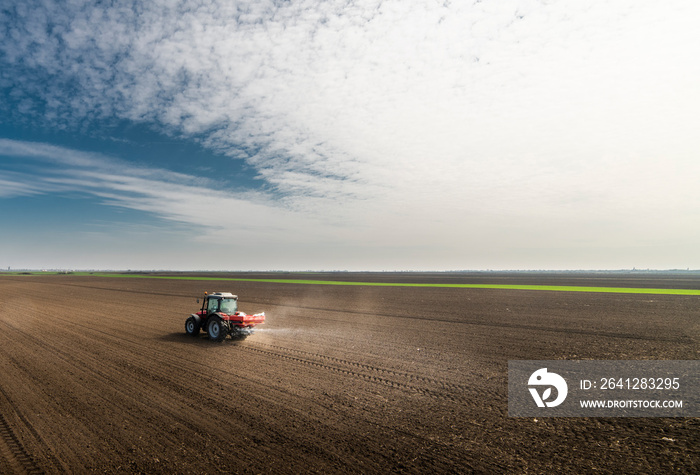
551 288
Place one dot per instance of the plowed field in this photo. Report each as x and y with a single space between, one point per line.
97 375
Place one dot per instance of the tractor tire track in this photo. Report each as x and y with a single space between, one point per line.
367 367
373 378
16 459
13 452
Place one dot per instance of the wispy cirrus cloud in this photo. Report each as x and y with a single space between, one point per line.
13 184
203 205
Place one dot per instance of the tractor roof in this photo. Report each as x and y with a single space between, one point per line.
222 295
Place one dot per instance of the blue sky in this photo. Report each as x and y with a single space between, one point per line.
359 135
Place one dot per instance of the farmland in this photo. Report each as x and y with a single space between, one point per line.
97 374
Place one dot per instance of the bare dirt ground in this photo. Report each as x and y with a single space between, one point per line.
97 375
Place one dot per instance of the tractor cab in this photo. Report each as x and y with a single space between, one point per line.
219 302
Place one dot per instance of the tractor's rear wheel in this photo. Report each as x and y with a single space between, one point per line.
216 328
192 326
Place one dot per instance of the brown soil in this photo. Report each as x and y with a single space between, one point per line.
97 375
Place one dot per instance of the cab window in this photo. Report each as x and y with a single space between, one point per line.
229 306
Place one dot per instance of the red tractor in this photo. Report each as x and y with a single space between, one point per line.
219 316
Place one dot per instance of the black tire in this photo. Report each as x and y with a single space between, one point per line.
192 326
216 328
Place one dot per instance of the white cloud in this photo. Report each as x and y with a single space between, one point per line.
401 120
14 184
217 215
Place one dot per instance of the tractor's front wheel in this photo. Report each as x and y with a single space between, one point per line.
192 326
216 328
